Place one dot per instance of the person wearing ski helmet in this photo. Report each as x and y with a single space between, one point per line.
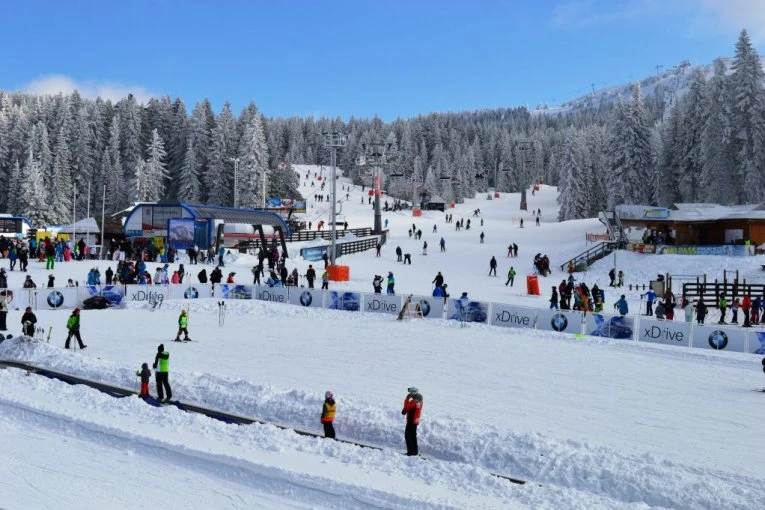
183 323
328 414
412 409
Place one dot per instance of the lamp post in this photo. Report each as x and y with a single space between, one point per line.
236 181
334 141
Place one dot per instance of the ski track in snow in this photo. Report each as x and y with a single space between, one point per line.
599 423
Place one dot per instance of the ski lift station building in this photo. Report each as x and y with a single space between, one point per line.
182 225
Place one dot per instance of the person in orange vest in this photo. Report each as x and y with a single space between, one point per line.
412 410
328 414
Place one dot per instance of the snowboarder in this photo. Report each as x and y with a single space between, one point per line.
183 323
328 414
162 375
493 266
73 325
145 375
28 322
412 410
510 276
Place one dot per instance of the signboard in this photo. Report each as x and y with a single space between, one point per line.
757 342
233 291
563 321
286 204
474 311
114 294
719 338
594 238
384 303
11 226
728 250
146 293
53 299
309 298
609 326
180 233
314 253
665 332
154 220
273 294
191 291
432 307
656 213
512 316
348 301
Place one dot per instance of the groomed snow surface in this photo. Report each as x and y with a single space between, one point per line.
590 422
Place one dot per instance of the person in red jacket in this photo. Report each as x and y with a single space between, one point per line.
412 410
746 306
328 414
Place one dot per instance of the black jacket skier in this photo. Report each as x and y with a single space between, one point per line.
216 275
28 322
310 275
439 280
202 276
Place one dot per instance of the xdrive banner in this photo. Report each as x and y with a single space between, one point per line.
265 293
191 291
432 307
665 332
560 320
383 303
512 316
719 339
146 293
303 296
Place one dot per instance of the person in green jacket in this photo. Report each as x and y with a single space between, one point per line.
73 325
722 304
510 276
162 373
183 323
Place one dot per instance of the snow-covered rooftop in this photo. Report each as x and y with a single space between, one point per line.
691 212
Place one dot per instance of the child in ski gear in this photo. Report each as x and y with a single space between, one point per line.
328 414
722 303
28 322
163 383
183 323
145 375
412 409
325 280
73 325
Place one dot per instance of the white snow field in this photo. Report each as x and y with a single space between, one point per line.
590 422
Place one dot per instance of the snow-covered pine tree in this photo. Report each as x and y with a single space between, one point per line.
155 169
200 133
60 180
188 180
253 163
117 187
33 197
715 185
574 167
748 120
694 110
220 173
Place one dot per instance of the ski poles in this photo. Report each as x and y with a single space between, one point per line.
221 313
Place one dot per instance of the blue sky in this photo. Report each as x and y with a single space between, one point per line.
363 58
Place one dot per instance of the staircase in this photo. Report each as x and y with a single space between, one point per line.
614 226
597 252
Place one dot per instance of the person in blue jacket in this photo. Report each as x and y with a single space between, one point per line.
621 305
650 297
221 253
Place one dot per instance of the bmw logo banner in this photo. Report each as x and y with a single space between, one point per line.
719 338
562 321
191 291
309 298
431 307
54 299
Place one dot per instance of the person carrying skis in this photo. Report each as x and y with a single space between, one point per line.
162 375
73 325
183 323
328 414
412 410
510 276
145 375
28 322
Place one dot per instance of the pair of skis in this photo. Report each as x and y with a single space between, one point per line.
221 313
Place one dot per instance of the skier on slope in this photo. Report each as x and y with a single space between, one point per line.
183 323
145 375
